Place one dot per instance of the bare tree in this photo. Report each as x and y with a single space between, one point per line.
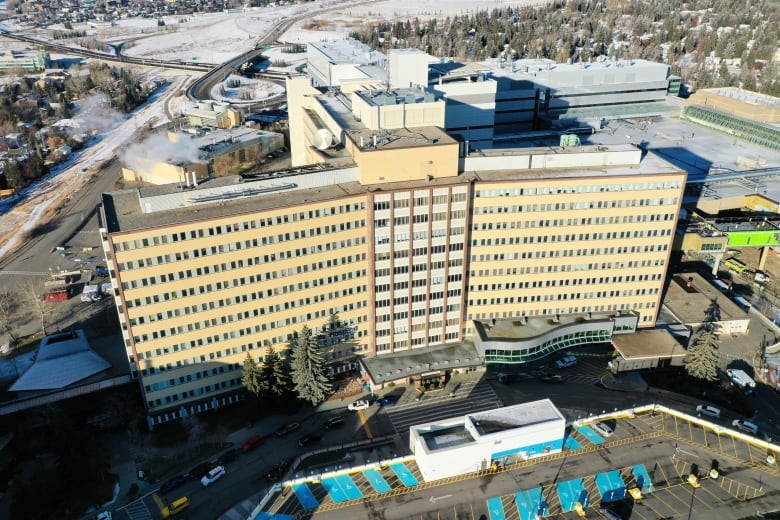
34 295
9 304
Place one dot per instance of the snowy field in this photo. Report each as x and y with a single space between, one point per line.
210 38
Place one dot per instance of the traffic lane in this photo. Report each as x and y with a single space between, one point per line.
78 216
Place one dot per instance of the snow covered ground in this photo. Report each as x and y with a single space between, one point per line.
211 38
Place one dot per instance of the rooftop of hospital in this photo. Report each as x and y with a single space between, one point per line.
689 304
647 344
390 367
150 206
515 329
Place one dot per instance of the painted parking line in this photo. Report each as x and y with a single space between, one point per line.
571 443
610 485
377 481
589 434
333 488
403 474
496 509
643 480
570 493
364 422
531 503
348 486
305 496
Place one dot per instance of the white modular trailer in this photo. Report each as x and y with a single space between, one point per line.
474 442
741 378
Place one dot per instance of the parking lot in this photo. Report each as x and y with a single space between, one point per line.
651 454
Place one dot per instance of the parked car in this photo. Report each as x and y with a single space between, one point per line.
200 470
551 378
333 422
604 429
309 439
387 400
745 426
103 515
173 483
708 410
566 361
229 456
358 405
212 476
287 428
252 443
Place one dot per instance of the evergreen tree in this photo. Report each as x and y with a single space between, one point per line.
701 361
703 355
308 371
275 373
251 376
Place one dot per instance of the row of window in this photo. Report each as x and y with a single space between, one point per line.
380 205
416 252
258 311
572 237
417 298
555 207
235 246
202 358
403 344
195 376
190 274
563 297
595 251
417 313
239 226
404 220
566 268
402 328
570 222
594 188
181 396
563 282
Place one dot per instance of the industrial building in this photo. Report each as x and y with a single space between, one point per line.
477 441
25 61
486 103
403 234
217 153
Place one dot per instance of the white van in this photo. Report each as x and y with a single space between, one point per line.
745 426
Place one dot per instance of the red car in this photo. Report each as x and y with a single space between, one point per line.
252 443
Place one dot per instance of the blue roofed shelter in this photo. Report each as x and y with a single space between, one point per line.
62 360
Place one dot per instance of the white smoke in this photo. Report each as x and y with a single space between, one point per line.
95 114
156 148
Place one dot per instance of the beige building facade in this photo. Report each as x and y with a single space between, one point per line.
205 275
401 232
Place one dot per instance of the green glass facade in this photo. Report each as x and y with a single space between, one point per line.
520 354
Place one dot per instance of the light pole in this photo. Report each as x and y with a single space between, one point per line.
690 507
